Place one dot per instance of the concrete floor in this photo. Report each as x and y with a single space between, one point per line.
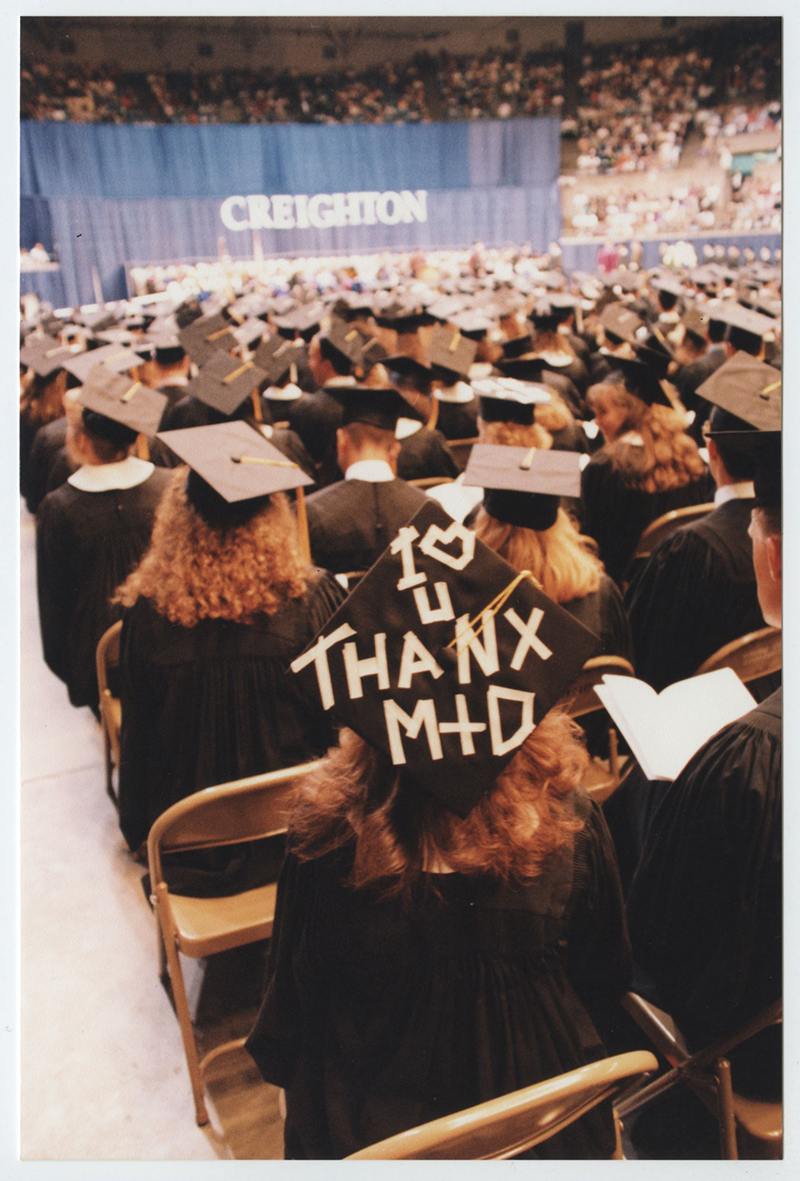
103 1076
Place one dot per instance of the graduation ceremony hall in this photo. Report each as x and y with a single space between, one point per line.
400 557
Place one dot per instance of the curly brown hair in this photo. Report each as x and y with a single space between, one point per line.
514 434
398 831
194 570
560 558
667 459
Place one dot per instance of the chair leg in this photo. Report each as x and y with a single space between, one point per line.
613 754
727 1119
185 1022
109 764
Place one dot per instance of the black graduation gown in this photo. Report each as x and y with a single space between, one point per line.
458 420
425 454
46 452
570 438
696 592
705 904
211 703
316 418
351 523
616 515
380 1016
560 381
86 545
604 614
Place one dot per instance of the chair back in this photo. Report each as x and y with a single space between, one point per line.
504 1127
581 699
107 659
460 450
664 525
230 813
758 654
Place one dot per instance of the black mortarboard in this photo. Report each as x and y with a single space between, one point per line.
224 382
744 326
446 307
640 379
113 357
250 332
115 397
402 317
354 346
118 336
472 324
523 486
254 304
379 406
98 320
303 320
517 347
444 658
527 368
235 464
695 322
667 283
276 356
503 399
748 389
208 335
545 316
417 371
628 281
450 352
767 478
45 355
619 321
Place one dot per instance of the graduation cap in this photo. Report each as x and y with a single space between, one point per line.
668 284
620 322
208 335
503 399
418 372
517 347
118 336
451 353
353 346
545 316
703 277
234 468
113 357
98 320
523 485
444 658
641 380
224 382
253 304
748 389
473 324
551 280
627 281
117 399
444 308
250 332
402 317
745 328
45 355
695 322
353 305
303 320
527 368
276 356
378 406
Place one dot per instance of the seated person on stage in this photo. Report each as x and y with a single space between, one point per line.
646 467
450 929
705 904
697 590
91 531
351 523
216 609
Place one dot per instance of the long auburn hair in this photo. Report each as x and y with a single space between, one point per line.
668 457
194 570
397 831
560 558
514 434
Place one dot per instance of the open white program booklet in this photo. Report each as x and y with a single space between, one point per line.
665 729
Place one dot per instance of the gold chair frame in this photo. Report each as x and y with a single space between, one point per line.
757 654
107 657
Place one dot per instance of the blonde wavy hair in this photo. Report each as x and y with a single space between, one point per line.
514 434
554 415
560 558
399 831
668 457
194 570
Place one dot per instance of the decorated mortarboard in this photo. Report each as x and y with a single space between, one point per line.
523 485
129 403
619 321
45 355
504 399
113 357
249 333
748 389
378 406
641 380
208 335
224 382
278 356
303 320
235 460
451 353
445 658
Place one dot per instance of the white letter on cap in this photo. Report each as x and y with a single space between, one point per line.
428 614
529 636
318 654
415 659
485 653
372 666
404 545
424 715
463 727
226 213
446 536
496 692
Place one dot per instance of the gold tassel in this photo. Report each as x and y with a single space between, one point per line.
491 609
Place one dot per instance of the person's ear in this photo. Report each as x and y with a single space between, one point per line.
775 558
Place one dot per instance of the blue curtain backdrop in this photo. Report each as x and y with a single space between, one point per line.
105 194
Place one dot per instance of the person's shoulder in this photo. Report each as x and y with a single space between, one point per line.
331 494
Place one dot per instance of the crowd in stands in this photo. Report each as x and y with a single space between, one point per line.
500 86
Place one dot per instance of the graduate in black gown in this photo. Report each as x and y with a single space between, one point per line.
217 608
647 467
697 590
705 907
351 523
426 955
92 531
